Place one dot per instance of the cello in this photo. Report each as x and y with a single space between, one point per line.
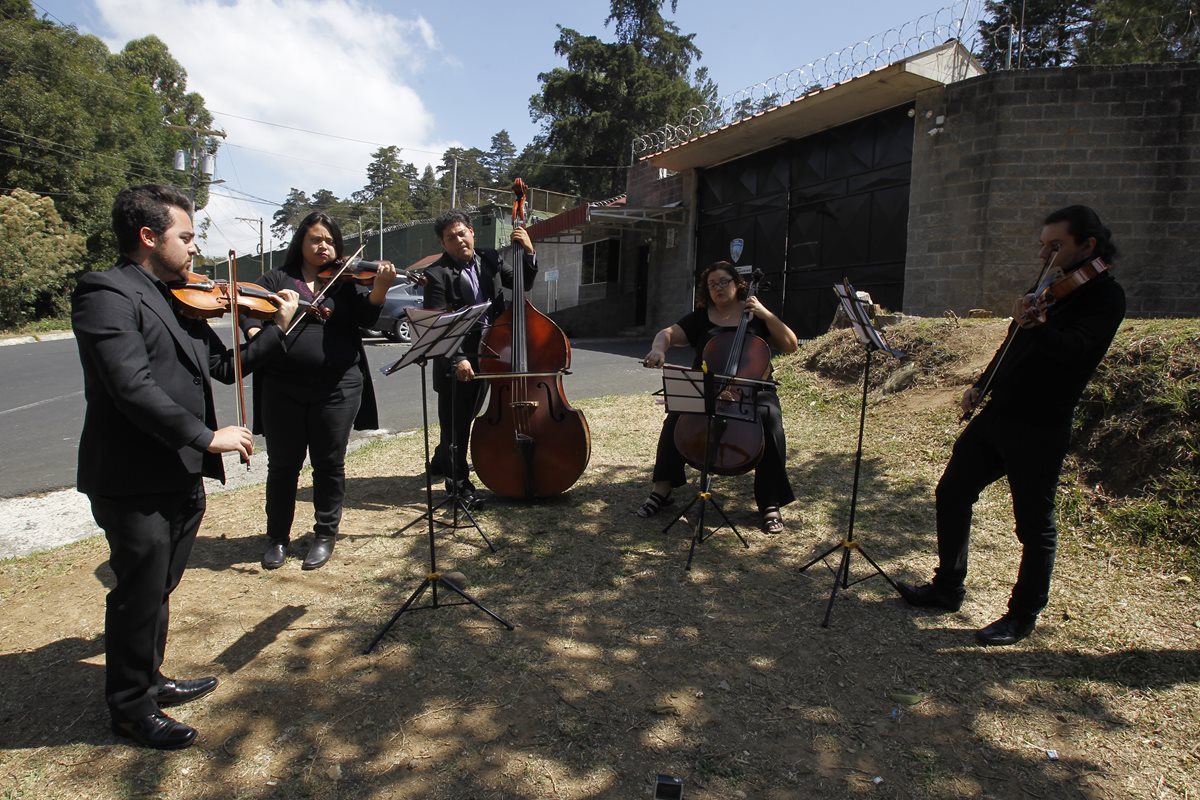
529 443
735 443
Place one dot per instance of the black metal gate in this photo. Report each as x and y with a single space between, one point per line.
816 210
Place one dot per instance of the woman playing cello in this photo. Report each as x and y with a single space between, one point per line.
722 300
308 400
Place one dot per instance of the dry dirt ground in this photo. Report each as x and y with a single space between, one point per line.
622 664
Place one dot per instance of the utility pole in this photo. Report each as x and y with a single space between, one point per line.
380 230
250 221
454 185
198 164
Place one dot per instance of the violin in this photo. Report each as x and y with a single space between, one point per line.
361 272
736 443
200 297
1055 286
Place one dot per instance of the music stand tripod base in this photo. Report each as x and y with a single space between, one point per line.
704 498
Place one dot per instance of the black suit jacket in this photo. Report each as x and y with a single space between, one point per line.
146 379
448 290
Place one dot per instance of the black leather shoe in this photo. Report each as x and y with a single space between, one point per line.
929 596
319 553
467 493
1009 629
435 468
174 693
156 730
276 553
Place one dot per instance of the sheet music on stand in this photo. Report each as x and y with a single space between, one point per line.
438 333
856 312
683 393
683 389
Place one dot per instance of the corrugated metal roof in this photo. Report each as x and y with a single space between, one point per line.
572 218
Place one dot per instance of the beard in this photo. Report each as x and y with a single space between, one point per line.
165 269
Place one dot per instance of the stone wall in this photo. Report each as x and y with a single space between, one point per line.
1013 146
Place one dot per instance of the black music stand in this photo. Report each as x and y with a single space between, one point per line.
871 340
693 391
440 328
439 335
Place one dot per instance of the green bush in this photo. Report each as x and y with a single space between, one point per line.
38 256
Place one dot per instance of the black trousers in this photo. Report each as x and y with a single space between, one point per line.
150 538
771 485
457 404
1031 456
300 420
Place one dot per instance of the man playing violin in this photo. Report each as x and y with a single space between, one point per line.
149 435
463 277
1033 384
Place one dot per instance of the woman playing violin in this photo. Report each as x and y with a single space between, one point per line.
722 302
307 401
1035 381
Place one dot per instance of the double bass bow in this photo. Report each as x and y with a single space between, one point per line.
735 443
529 443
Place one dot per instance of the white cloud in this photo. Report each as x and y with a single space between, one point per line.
332 66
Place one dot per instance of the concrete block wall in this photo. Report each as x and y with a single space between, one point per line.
1016 145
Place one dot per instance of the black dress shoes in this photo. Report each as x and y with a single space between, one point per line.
928 595
156 730
175 693
275 555
466 493
1009 629
319 553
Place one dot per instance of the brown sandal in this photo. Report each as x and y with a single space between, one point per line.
654 503
772 522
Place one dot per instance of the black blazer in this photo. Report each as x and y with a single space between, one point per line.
146 379
448 290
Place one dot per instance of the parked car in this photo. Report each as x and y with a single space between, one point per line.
393 322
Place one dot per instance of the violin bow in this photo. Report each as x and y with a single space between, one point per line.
1008 342
316 301
237 350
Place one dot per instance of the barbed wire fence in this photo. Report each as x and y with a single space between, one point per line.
958 21
1006 42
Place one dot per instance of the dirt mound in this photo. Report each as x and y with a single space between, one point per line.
939 353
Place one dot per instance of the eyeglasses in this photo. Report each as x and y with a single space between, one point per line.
716 286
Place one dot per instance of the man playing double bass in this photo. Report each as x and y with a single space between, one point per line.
463 277
1035 382
149 435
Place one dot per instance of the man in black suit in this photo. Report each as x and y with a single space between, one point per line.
1035 381
465 277
149 435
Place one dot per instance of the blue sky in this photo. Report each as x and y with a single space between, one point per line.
422 76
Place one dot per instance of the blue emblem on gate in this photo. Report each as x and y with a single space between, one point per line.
735 249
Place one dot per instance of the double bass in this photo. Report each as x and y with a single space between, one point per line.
529 443
735 442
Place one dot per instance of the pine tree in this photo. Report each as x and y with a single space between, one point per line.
610 92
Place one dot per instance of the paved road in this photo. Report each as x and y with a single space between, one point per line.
41 401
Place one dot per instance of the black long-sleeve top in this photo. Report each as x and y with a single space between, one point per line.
321 354
1043 375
